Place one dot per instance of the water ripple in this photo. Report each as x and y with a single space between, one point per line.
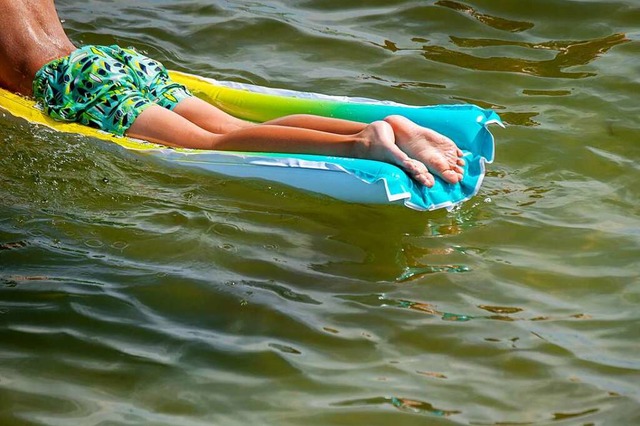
135 293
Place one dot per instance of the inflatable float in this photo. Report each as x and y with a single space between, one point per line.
348 179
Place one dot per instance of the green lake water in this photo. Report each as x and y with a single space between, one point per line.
132 292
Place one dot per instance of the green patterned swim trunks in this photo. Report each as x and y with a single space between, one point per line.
105 87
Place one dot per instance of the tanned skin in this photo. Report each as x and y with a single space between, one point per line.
32 36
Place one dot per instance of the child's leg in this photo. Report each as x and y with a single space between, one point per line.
209 117
324 124
375 141
167 127
439 153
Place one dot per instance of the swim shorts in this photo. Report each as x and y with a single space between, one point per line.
105 87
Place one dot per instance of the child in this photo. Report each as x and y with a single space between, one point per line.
125 93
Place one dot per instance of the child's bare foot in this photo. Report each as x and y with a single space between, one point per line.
437 152
379 143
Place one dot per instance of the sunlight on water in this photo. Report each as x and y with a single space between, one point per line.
136 293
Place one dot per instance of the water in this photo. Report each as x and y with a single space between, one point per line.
135 293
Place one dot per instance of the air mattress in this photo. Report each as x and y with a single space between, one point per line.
347 179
